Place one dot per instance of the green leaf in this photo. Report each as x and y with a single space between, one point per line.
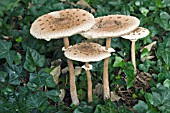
32 86
141 107
49 82
53 95
166 83
109 107
144 11
17 58
3 76
156 99
118 62
33 59
38 101
128 69
163 76
144 53
145 66
149 98
163 20
5 51
14 73
84 109
39 78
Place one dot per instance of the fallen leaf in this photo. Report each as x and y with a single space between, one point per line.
114 97
77 70
56 73
85 4
6 37
62 94
149 46
98 89
56 62
65 70
148 57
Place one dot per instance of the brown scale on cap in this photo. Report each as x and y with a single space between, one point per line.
62 23
112 26
86 52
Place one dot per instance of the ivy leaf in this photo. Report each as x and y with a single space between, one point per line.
38 101
53 95
3 76
164 51
14 73
128 69
141 107
49 82
156 99
166 83
109 107
39 78
118 62
83 109
163 20
5 51
33 59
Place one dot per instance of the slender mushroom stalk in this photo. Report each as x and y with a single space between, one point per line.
105 73
89 82
133 56
133 36
59 24
73 90
106 27
87 52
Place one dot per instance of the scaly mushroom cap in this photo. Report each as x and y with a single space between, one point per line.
61 24
86 52
112 26
138 33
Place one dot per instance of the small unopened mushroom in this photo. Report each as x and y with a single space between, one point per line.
133 36
107 27
62 24
87 52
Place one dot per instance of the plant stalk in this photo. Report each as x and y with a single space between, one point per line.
89 82
105 73
133 56
73 90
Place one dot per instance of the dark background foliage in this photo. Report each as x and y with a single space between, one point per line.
25 62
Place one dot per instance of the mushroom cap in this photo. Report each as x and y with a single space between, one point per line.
86 52
64 23
138 33
112 26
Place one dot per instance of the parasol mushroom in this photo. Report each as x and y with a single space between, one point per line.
87 52
62 24
133 36
107 27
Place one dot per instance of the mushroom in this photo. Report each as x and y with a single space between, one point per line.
107 27
62 24
133 36
87 52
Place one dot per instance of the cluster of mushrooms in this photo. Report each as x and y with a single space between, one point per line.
68 22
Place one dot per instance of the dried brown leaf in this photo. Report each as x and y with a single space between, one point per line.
56 73
85 4
149 46
62 94
114 97
98 89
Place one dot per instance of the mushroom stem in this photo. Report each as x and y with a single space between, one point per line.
133 56
89 82
73 90
105 73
